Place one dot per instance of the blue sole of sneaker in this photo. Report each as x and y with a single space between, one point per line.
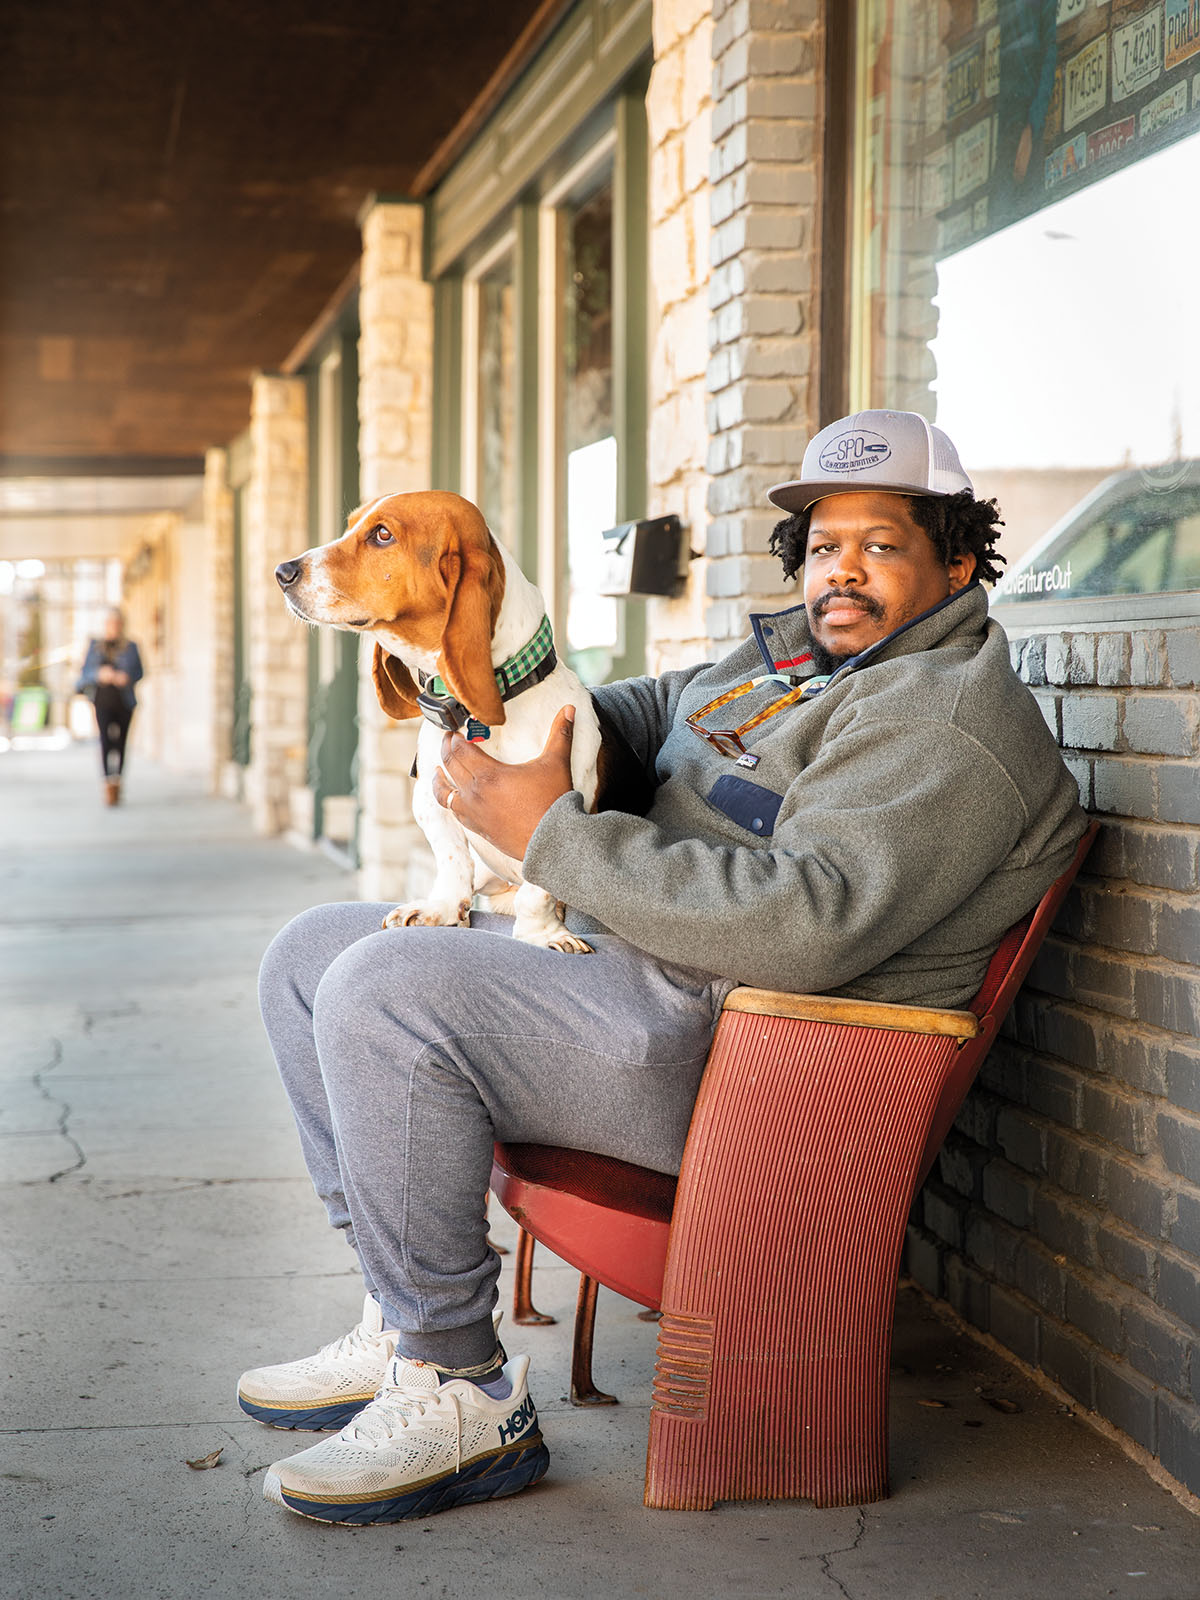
490 1479
318 1420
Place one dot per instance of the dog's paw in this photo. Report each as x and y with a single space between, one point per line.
429 914
559 938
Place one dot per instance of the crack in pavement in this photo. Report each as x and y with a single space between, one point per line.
844 1550
64 1115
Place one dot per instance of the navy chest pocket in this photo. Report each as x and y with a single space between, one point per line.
748 804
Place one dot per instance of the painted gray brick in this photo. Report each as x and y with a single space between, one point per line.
1168 1000
1183 1079
1128 1400
1075 1165
942 1218
977 1116
960 1165
1184 1227
1110 1115
1183 657
1179 1441
1022 1140
1138 1059
1067 1033
1091 721
1178 792
1179 1140
1159 724
1147 658
1015 1324
1137 1198
1179 930
968 1291
1104 982
1094 1312
1033 661
1065 1228
1008 1193
1068 1360
1123 921
1179 1290
1124 788
1158 1350
1126 1257
1162 858
1004 1073
1041 1280
1112 660
1051 969
1054 1091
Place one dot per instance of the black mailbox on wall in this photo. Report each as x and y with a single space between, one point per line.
642 557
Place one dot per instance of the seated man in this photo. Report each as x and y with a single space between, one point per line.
862 797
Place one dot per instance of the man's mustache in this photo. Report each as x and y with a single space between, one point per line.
867 603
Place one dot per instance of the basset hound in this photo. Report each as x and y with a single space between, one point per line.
462 639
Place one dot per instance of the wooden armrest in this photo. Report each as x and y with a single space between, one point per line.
855 1013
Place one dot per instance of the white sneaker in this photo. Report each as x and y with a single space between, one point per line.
325 1390
421 1446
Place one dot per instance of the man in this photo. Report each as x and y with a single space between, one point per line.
861 797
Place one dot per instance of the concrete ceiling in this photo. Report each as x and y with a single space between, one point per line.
179 186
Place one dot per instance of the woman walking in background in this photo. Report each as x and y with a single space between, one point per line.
110 671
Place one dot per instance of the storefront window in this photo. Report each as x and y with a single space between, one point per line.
1025 251
589 440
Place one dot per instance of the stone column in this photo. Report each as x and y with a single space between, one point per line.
395 411
679 115
766 126
218 528
277 645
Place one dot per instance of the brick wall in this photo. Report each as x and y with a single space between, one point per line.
218 529
276 644
679 117
766 122
1064 1214
395 412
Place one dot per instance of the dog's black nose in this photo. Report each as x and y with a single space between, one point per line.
286 573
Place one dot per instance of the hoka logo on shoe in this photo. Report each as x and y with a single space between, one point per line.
518 1422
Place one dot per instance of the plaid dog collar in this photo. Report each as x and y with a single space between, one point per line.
524 668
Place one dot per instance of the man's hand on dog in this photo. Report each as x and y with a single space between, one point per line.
503 802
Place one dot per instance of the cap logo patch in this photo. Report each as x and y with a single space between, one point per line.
854 451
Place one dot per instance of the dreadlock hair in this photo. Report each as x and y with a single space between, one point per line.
957 524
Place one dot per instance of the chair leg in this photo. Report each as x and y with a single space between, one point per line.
583 1391
524 1312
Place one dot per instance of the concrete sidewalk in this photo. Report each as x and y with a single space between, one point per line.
160 1236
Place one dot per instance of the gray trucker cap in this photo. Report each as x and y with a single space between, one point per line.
897 451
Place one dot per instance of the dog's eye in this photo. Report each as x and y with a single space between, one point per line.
380 536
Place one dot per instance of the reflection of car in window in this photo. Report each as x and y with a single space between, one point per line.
1138 532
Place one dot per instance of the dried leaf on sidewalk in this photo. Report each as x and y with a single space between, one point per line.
999 1402
936 1405
202 1463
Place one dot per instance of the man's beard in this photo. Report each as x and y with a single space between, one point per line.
826 661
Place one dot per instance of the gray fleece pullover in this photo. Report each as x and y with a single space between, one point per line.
894 827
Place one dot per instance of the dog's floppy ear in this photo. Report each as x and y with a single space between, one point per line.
465 662
394 685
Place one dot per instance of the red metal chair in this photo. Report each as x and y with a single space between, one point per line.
774 1258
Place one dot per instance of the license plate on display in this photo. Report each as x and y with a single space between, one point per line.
1068 10
1137 53
1182 31
1164 109
972 154
1105 142
1085 83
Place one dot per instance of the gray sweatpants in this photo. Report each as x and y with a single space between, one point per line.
405 1053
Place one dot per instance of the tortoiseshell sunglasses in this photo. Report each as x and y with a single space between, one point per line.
729 740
